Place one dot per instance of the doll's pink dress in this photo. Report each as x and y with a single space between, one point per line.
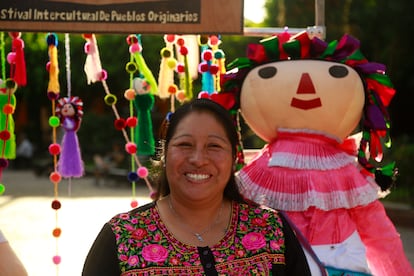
330 198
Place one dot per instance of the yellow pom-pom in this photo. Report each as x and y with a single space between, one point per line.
172 63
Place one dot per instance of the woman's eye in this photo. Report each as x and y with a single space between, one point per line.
338 71
214 146
184 145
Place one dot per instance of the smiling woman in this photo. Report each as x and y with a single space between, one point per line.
198 223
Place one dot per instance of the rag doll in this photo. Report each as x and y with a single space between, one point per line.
69 110
306 98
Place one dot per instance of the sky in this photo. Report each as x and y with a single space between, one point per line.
254 10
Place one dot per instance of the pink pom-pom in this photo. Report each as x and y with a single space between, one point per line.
57 259
134 48
87 47
213 40
142 172
103 75
134 203
153 194
11 58
131 148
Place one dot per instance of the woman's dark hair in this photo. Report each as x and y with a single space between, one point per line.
231 190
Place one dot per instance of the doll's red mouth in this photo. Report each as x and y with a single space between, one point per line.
306 104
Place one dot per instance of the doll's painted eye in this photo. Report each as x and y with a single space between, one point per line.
267 72
338 71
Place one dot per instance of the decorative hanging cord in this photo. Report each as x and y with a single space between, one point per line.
53 92
94 72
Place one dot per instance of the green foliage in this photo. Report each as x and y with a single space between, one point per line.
403 154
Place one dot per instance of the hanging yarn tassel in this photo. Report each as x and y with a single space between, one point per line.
193 54
184 70
135 49
203 68
53 65
168 63
144 102
69 110
93 67
17 60
218 60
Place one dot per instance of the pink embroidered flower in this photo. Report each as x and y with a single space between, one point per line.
139 234
129 227
152 227
244 218
274 245
243 227
124 216
240 253
174 261
254 241
123 258
154 253
157 237
133 260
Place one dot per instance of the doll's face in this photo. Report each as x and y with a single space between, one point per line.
68 110
141 86
302 94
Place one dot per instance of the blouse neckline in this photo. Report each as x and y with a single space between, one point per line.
224 242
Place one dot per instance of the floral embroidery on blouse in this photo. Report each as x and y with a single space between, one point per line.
253 243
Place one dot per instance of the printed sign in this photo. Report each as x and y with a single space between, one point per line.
123 16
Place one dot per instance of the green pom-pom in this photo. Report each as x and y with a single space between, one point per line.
54 121
2 189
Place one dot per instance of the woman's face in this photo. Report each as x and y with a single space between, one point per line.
199 158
